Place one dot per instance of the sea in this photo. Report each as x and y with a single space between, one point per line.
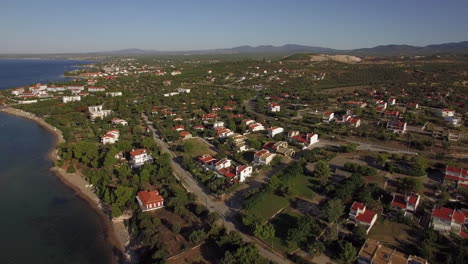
41 219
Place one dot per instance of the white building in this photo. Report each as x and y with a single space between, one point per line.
263 157
243 172
114 94
395 126
138 157
149 201
445 112
118 121
222 163
272 131
256 127
274 107
96 89
328 117
110 137
74 98
17 91
363 216
218 124
97 112
183 90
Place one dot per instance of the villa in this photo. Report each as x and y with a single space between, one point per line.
363 216
139 157
150 200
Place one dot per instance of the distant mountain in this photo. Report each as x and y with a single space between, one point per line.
383 50
396 50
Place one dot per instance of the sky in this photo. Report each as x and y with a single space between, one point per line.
51 26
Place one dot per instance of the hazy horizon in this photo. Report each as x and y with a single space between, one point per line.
55 27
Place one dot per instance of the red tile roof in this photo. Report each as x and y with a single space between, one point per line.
357 205
366 217
443 213
137 152
150 197
184 133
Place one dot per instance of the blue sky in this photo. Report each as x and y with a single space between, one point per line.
48 26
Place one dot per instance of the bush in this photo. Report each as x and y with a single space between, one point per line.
71 168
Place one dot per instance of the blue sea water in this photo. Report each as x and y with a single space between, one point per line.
41 220
14 73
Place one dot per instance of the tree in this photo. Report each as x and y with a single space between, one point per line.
322 171
382 159
348 254
410 185
123 195
189 146
197 237
334 209
264 231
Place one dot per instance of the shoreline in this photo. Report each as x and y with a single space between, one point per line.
115 233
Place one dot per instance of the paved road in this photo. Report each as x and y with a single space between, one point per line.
212 203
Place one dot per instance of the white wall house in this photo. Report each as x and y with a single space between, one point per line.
243 172
74 98
263 157
138 157
272 131
97 112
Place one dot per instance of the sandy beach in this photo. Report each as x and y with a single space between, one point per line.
114 229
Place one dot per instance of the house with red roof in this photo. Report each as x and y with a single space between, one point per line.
17 91
138 157
96 89
354 122
412 105
207 161
391 114
328 117
446 220
274 107
392 101
407 203
363 216
445 112
458 175
119 121
343 119
150 200
304 141
228 108
396 126
209 116
222 163
199 127
110 137
178 119
256 127
178 128
185 135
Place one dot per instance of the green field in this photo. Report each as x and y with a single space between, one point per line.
199 147
303 186
282 223
270 204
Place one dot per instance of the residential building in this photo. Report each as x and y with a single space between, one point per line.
185 135
256 127
357 104
248 121
458 175
448 220
263 157
445 112
118 121
218 124
373 252
273 131
224 132
243 172
138 157
114 94
304 141
110 137
96 89
178 128
183 90
395 126
150 200
222 163
17 91
207 161
343 119
97 112
412 105
74 98
363 216
274 107
354 122
392 101
328 117
407 203
391 114
176 72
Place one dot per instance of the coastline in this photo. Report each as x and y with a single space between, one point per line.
115 231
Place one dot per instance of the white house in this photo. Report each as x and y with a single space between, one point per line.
256 127
74 98
96 89
224 132
149 201
392 101
263 157
138 157
248 121
222 163
445 112
218 124
110 137
183 90
118 121
17 91
272 131
328 117
114 94
243 172
407 203
274 107
306 141
363 216
173 73
97 112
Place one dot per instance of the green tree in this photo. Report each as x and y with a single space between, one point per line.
264 231
123 195
322 171
348 254
334 209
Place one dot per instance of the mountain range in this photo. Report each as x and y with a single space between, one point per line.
383 50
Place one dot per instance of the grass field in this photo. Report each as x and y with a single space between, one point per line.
392 233
198 148
304 186
269 205
282 223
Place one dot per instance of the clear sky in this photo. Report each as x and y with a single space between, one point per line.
54 26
